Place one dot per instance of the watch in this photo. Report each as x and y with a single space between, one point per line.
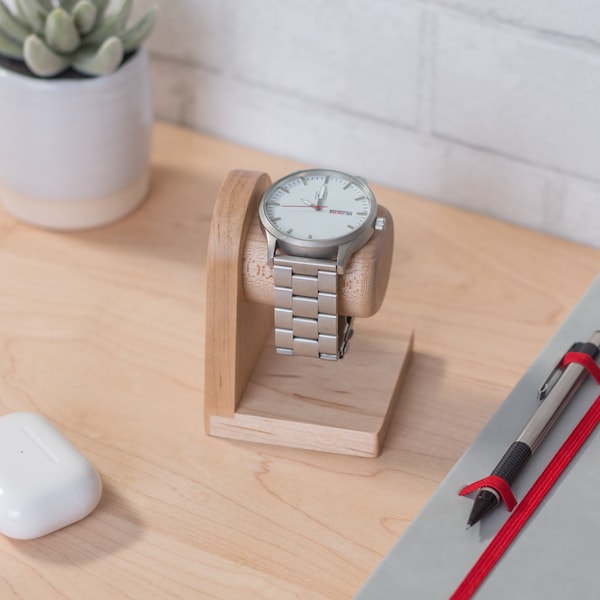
314 220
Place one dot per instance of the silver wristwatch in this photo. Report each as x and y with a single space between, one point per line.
314 220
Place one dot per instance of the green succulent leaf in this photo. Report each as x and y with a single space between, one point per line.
53 35
42 60
99 61
112 24
134 36
10 48
101 6
67 4
11 27
32 12
84 14
60 32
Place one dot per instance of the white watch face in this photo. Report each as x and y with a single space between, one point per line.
318 204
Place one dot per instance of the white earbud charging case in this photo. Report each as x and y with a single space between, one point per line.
45 482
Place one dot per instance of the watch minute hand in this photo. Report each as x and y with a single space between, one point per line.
321 196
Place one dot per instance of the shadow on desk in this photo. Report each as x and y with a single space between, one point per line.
112 526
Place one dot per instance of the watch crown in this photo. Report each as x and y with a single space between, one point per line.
379 224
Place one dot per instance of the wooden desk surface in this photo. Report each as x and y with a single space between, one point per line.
103 333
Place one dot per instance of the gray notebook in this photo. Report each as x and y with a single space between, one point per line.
557 554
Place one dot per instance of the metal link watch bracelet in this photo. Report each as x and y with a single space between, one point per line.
306 319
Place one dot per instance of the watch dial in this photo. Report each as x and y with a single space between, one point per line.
318 205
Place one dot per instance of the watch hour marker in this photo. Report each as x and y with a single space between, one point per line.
350 226
303 180
347 185
283 189
359 198
362 214
289 231
275 219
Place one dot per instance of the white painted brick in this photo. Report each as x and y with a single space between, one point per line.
518 96
579 218
577 19
359 55
171 91
493 185
190 31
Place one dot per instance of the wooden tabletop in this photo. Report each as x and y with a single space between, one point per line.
102 332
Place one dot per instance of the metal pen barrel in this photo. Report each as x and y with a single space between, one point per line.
557 399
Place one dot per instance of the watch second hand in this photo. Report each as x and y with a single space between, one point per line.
318 206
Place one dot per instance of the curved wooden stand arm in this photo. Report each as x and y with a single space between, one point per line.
251 392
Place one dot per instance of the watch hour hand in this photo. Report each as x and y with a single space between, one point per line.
321 197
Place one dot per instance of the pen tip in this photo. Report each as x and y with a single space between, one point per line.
484 503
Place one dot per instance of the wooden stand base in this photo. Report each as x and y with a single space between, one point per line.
343 406
254 394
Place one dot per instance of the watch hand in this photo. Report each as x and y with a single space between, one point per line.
317 206
321 196
305 202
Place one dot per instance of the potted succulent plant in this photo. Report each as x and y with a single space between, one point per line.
75 111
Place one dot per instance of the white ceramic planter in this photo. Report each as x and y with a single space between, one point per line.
75 153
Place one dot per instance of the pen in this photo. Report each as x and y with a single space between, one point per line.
554 394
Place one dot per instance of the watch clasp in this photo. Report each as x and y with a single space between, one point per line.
346 333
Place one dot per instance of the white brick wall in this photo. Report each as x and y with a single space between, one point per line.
488 104
518 96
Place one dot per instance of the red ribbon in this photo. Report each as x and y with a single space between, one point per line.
511 528
497 484
585 360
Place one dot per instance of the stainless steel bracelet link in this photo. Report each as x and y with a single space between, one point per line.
306 319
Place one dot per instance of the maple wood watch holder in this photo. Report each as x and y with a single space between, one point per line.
252 393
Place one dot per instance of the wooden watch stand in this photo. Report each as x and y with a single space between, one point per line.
252 393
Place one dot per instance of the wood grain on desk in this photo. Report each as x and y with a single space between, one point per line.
103 333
